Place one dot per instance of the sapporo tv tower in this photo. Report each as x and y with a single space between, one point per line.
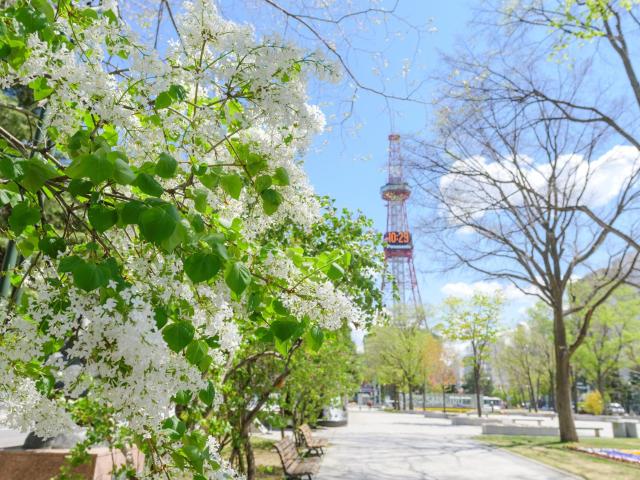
398 249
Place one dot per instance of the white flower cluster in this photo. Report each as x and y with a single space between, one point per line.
112 349
29 410
324 304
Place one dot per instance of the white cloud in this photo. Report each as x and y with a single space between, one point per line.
598 182
465 290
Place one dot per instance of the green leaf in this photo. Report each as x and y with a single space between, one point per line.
200 200
254 162
271 200
43 7
156 224
284 329
177 92
196 351
197 223
122 172
183 397
40 88
26 245
7 168
130 212
95 166
161 316
36 173
216 242
195 455
211 180
281 177
178 335
201 266
166 166
179 235
237 277
163 100
335 272
176 426
102 218
89 276
148 185
314 338
80 187
23 215
51 246
279 307
232 184
69 263
207 395
263 182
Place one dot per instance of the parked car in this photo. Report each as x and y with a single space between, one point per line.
614 409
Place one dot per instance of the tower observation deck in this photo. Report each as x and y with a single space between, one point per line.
398 248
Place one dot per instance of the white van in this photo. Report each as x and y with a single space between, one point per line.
491 404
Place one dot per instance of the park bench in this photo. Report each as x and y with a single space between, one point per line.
294 466
537 420
314 445
595 429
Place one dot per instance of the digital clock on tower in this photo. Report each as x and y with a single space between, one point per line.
398 238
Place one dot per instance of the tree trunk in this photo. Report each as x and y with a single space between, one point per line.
476 381
444 401
600 382
563 378
251 460
396 396
410 398
552 391
424 396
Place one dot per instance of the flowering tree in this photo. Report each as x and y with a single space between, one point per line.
278 364
166 168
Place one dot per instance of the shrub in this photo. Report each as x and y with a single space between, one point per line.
593 403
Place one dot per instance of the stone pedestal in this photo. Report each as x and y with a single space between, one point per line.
619 429
42 464
632 430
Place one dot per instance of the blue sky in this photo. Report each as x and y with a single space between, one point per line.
350 166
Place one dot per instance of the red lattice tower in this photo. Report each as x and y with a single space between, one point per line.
398 249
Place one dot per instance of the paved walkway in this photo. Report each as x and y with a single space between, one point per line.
383 446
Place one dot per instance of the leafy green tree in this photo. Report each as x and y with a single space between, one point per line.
272 365
614 332
395 354
474 322
318 377
522 353
442 375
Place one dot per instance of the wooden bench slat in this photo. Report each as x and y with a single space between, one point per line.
292 464
312 443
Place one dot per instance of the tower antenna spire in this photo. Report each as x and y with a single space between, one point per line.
398 249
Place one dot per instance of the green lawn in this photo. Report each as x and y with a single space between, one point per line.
550 451
267 460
